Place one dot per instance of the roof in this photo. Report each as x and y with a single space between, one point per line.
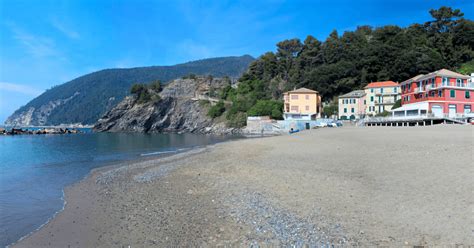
443 73
412 106
302 90
381 84
354 94
413 79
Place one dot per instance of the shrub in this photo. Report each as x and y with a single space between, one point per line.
237 120
397 104
216 110
204 103
272 108
155 86
383 114
136 89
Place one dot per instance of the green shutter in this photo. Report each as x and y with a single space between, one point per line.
453 93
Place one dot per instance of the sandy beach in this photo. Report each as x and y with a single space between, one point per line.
350 186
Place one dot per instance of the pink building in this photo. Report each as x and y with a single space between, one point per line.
441 93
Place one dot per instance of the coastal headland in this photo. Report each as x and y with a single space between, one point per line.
351 186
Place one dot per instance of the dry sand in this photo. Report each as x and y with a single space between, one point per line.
346 186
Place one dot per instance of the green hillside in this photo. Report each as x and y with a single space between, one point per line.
97 92
346 62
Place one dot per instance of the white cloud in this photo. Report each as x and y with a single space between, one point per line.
37 46
19 88
64 29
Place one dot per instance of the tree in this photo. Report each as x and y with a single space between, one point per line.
347 62
216 110
155 86
272 108
397 104
136 89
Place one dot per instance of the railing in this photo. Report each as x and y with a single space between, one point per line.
419 90
457 116
386 93
431 87
384 102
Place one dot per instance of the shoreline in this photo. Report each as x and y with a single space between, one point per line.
237 190
144 157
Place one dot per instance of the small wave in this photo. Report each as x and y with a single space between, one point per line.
157 153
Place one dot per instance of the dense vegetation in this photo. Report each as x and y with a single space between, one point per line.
146 92
349 61
216 110
102 90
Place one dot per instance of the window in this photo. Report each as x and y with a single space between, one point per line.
294 97
440 93
432 93
459 82
381 90
372 90
452 93
307 97
294 108
445 81
395 89
352 110
364 101
345 110
432 83
409 86
307 108
355 100
467 108
467 94
372 98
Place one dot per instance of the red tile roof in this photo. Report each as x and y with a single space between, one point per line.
381 84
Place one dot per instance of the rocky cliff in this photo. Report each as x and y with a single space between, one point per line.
85 99
182 107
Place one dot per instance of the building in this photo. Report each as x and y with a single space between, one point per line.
380 96
441 93
352 105
301 104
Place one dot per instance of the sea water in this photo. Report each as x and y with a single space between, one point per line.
34 169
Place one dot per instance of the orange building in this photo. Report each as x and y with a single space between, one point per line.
301 104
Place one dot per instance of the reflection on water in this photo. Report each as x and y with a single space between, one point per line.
35 168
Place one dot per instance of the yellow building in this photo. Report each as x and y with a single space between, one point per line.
380 96
301 104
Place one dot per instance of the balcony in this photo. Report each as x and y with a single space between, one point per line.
386 102
419 90
387 93
435 87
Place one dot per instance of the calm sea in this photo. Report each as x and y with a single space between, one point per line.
34 169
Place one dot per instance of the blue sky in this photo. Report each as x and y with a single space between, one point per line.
46 43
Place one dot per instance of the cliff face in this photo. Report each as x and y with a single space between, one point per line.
85 99
180 109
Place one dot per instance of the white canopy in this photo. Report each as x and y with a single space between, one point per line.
412 106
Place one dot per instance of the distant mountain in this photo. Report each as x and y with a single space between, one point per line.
85 99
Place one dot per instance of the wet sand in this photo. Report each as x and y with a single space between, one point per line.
348 186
